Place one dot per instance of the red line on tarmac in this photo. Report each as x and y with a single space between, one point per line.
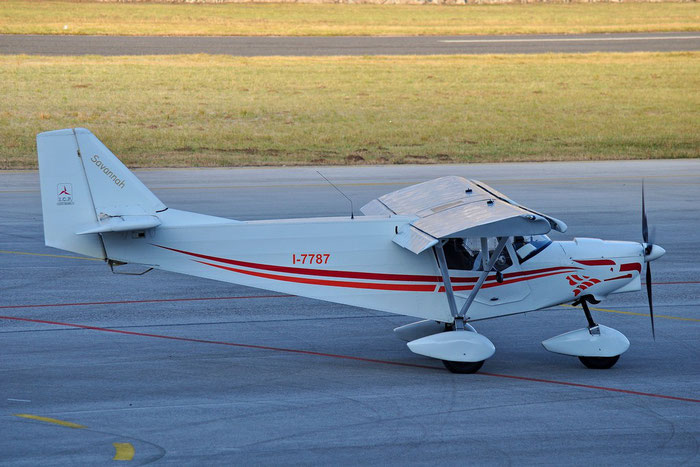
345 357
205 341
153 300
589 386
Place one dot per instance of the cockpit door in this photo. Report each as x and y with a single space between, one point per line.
513 288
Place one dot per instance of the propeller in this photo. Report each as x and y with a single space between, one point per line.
649 246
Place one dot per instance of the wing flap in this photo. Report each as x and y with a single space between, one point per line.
413 239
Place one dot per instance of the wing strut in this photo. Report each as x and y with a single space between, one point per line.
442 261
487 269
488 266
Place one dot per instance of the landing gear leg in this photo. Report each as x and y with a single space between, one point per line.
591 324
595 363
462 349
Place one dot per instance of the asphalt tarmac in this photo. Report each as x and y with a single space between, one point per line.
186 371
349 45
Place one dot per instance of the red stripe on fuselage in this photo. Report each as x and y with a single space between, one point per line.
631 267
314 272
626 276
595 262
362 275
496 284
304 280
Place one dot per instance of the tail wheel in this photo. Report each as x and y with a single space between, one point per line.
599 363
463 367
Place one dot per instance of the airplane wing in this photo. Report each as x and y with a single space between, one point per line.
454 207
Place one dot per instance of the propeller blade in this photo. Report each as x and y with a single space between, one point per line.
651 306
645 228
649 246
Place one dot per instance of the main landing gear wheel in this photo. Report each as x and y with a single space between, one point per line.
599 363
463 367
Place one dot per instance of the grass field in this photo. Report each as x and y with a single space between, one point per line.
52 17
224 111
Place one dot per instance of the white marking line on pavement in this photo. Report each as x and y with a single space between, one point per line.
568 39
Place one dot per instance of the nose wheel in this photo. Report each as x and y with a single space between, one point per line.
599 363
598 347
463 368
594 363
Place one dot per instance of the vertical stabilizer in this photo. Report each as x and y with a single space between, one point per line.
65 194
82 184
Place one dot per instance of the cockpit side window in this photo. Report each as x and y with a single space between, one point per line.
458 256
527 247
465 255
503 262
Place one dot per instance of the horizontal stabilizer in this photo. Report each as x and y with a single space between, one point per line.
122 224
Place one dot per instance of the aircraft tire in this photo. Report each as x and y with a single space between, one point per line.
599 363
463 367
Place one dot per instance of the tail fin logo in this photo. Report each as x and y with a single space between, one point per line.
65 194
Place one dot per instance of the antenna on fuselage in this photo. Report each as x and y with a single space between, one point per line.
352 209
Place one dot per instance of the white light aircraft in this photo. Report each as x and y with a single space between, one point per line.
449 251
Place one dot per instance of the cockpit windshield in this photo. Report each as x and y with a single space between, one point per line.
528 246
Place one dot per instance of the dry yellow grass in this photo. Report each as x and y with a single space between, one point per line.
66 17
222 111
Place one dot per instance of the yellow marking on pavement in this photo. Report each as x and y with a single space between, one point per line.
123 452
49 420
49 255
638 314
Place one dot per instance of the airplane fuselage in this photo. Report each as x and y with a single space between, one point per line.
355 262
